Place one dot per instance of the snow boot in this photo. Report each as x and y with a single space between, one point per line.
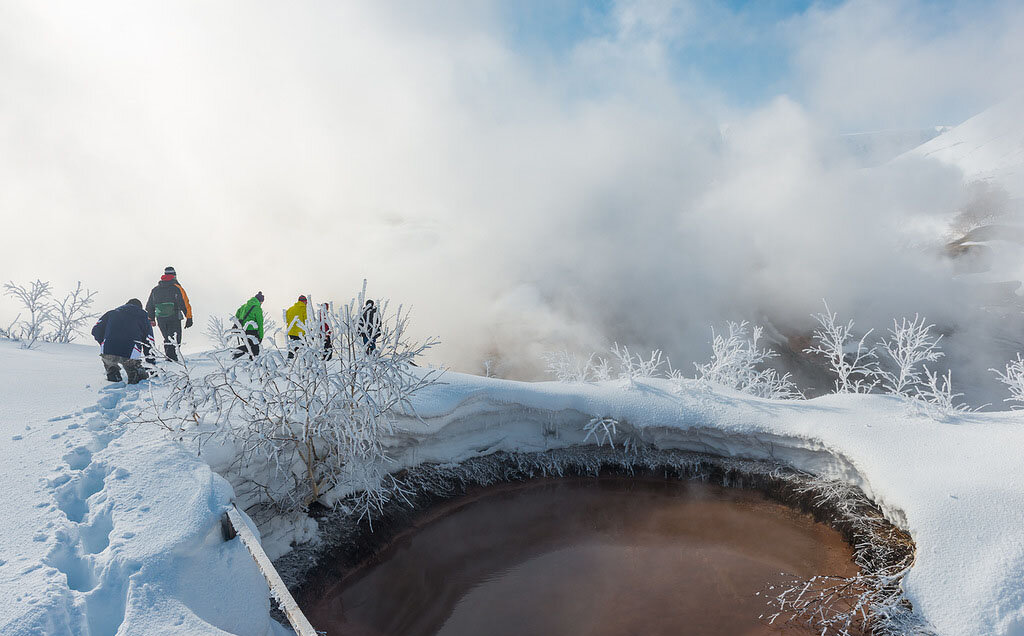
114 375
136 374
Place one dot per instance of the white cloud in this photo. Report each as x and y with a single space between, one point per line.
517 204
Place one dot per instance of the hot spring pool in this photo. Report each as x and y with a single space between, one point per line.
584 556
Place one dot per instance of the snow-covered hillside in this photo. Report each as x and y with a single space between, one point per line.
988 146
112 528
877 147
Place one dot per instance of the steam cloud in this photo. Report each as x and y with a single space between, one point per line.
522 198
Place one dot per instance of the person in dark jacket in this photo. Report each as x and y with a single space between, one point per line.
325 328
123 334
369 326
249 318
167 305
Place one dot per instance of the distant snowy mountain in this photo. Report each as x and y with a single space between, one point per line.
877 147
987 147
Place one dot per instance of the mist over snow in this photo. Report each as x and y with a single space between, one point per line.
521 197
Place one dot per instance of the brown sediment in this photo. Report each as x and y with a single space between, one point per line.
380 567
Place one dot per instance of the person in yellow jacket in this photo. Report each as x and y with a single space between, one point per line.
295 318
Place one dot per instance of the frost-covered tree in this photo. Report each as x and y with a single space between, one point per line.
1013 378
910 344
35 298
70 315
310 428
854 364
737 361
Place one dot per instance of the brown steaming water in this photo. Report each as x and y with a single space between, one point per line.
597 557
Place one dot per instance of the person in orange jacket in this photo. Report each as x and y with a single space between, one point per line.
167 305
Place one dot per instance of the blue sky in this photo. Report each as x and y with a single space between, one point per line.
745 50
748 69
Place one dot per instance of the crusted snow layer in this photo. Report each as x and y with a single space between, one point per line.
956 486
109 528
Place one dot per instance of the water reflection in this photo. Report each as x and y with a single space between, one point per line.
599 557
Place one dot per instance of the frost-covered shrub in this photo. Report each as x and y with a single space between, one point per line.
8 331
67 316
35 298
635 367
70 315
910 344
1013 378
567 367
218 332
853 363
937 398
737 362
305 428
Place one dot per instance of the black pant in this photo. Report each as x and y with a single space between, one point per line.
250 345
112 364
170 329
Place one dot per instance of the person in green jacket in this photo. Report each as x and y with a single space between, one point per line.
250 320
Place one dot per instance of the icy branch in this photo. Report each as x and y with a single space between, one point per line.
602 429
566 367
937 398
635 367
1013 378
871 601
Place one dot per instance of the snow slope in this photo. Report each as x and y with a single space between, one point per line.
108 528
988 146
115 530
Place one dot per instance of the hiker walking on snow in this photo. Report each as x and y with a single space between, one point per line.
369 326
295 318
166 306
123 333
250 320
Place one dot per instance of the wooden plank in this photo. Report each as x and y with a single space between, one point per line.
277 588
